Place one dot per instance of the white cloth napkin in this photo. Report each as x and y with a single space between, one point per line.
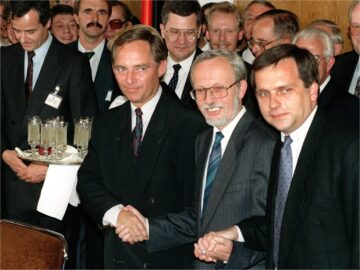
58 190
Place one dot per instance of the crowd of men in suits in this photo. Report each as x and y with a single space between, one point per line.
223 158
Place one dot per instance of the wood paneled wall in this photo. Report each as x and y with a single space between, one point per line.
306 10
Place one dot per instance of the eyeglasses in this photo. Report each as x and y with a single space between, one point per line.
216 91
116 24
174 34
262 44
318 58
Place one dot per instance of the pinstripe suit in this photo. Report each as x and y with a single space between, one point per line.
239 190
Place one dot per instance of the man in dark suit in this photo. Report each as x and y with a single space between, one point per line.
180 29
339 103
312 211
54 65
151 167
92 16
346 71
240 184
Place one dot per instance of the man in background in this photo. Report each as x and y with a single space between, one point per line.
120 18
180 28
63 25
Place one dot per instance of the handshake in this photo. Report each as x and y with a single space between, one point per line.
133 227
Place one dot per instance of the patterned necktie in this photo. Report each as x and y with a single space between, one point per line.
284 181
214 162
29 75
357 88
138 131
89 54
175 77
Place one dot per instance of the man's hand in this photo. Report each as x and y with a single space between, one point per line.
34 173
213 247
131 225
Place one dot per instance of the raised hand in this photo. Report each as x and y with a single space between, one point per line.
131 225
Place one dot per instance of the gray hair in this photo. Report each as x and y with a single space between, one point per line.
335 35
352 6
232 57
310 33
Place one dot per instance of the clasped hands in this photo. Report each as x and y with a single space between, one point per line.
214 246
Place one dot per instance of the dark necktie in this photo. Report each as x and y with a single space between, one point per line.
29 75
214 162
138 131
89 54
175 77
357 88
284 181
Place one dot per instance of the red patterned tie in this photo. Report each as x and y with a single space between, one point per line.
29 76
138 131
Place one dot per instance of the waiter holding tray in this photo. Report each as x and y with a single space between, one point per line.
30 71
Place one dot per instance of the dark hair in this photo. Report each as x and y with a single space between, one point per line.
144 33
20 8
77 6
203 9
305 62
126 10
61 9
260 2
286 23
182 8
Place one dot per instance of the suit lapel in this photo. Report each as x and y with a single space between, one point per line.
46 81
297 193
151 144
227 166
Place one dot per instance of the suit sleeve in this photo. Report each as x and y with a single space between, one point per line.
171 230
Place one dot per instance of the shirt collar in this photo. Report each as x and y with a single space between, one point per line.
300 132
41 52
185 64
229 128
97 50
323 85
149 106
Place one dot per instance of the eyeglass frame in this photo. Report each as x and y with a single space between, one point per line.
260 43
206 89
184 31
122 23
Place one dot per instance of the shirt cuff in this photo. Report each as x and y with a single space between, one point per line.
111 215
240 237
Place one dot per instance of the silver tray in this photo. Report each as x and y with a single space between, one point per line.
66 160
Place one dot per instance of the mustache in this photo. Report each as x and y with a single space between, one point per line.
94 23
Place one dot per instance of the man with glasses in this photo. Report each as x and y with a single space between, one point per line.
272 28
233 159
120 18
180 28
92 16
338 102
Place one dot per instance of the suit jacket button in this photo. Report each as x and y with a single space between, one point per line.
151 201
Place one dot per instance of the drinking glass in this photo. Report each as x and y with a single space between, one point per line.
61 138
34 123
82 134
52 125
45 138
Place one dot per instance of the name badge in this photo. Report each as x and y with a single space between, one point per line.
109 95
53 99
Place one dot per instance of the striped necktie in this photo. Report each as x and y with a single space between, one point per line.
138 131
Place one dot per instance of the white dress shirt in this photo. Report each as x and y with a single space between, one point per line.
111 215
183 72
298 136
38 59
323 85
95 59
227 132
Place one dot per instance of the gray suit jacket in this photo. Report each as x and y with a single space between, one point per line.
239 190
